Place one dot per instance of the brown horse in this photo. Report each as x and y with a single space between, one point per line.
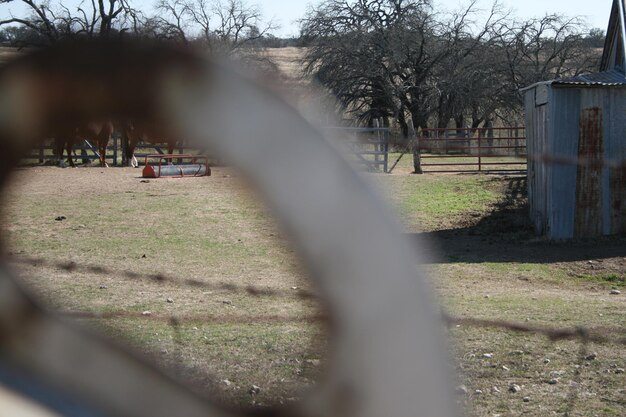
136 132
97 132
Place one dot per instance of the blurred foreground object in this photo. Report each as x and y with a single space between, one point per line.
387 356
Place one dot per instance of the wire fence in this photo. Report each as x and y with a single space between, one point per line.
582 335
602 335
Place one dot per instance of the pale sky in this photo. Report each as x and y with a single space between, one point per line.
287 12
595 12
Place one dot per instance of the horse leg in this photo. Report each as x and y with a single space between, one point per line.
59 146
103 152
170 150
130 154
68 146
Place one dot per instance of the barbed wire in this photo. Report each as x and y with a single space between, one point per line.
591 162
161 278
579 333
193 318
601 335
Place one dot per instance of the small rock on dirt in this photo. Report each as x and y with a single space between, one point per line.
495 390
546 360
144 181
255 389
526 399
516 352
103 287
506 368
615 292
591 356
170 300
619 371
60 218
227 302
515 388
487 355
146 313
478 392
553 381
227 382
461 389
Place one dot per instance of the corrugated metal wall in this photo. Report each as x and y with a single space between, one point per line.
577 122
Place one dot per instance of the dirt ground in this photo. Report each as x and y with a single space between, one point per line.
484 262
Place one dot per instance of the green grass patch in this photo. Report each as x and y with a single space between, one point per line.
611 279
432 201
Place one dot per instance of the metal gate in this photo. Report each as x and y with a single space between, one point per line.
488 150
367 146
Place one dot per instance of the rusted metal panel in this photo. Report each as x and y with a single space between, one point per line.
588 217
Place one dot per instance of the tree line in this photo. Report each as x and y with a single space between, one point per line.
403 61
221 26
399 60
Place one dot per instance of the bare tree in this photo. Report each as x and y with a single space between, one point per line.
381 58
400 59
49 21
224 27
543 49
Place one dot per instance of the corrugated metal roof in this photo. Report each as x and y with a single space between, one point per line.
604 78
597 78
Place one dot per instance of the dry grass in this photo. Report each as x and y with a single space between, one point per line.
215 230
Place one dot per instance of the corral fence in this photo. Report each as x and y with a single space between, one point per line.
369 146
489 150
86 152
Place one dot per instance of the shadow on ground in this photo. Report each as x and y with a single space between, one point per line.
505 234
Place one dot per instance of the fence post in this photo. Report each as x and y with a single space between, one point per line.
480 150
83 154
377 143
386 135
414 140
115 151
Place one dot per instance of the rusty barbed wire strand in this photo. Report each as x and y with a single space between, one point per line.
161 278
178 320
583 334
586 335
550 159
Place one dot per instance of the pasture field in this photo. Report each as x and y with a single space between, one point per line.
147 239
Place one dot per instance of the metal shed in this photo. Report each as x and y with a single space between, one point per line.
576 138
